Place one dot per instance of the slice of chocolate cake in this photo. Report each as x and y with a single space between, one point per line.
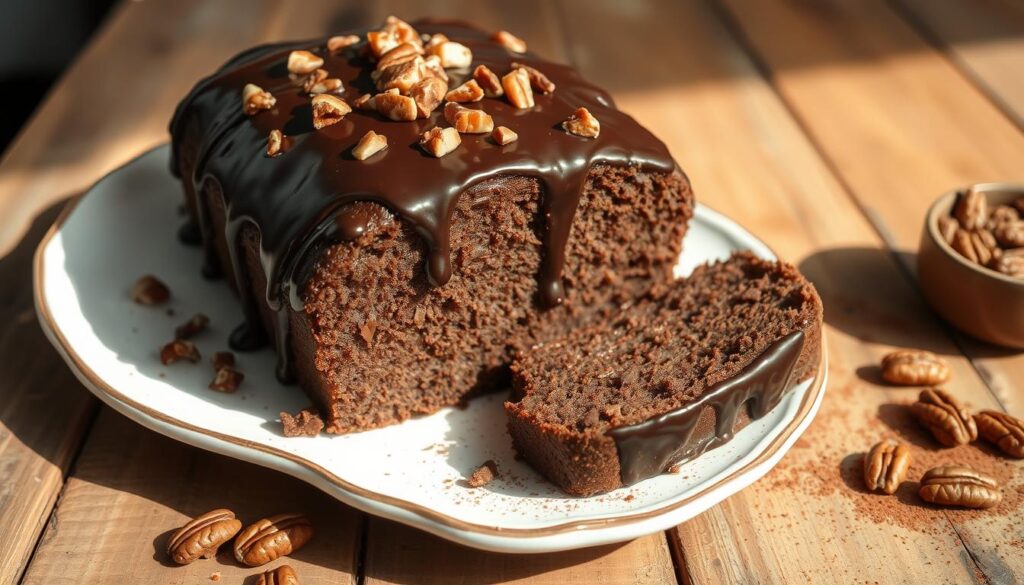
668 378
395 252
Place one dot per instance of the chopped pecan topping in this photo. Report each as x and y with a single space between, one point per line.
971 209
318 83
338 43
313 78
886 465
582 123
178 350
538 80
370 144
435 40
399 54
275 143
504 135
432 68
467 92
428 94
440 141
948 227
1002 430
283 575
452 55
395 106
381 41
303 62
914 367
949 422
364 102
517 88
202 536
401 76
255 98
328 110
956 485
272 538
194 326
223 359
488 81
484 474
227 380
509 41
466 120
403 31
150 290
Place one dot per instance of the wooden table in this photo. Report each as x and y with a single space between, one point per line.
825 127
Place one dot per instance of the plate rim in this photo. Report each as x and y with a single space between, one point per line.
111 396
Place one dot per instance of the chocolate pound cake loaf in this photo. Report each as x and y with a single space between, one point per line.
668 378
400 210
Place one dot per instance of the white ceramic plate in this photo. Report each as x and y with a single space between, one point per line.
125 226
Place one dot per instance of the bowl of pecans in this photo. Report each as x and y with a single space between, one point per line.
971 261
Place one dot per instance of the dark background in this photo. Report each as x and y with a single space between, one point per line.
38 39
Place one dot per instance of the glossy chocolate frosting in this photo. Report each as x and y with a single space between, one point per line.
646 449
300 199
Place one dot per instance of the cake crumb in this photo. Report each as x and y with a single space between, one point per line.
305 423
484 474
675 468
215 576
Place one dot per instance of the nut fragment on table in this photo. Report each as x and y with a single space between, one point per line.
467 92
948 421
150 290
956 485
202 536
440 141
467 120
338 43
271 538
538 80
517 88
1002 430
194 326
886 465
504 135
328 110
283 575
488 81
255 98
303 62
275 143
370 144
227 380
582 123
178 350
914 367
509 41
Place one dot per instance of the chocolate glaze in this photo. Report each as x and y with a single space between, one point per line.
646 449
299 199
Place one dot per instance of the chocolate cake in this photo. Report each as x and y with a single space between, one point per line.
669 377
395 263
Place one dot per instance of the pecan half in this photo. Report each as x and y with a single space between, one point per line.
150 290
202 536
985 247
488 81
338 43
955 485
272 538
1002 430
440 141
971 209
1010 263
370 144
509 41
428 94
582 123
331 85
1002 214
467 92
538 80
949 422
886 465
963 245
275 143
303 62
328 110
227 380
504 135
255 98
194 326
1010 233
914 367
948 227
467 120
283 575
452 55
517 88
178 350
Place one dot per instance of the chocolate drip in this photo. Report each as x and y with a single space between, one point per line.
648 448
299 199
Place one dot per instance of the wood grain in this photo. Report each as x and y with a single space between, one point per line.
809 520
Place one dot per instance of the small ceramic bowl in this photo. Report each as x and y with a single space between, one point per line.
984 303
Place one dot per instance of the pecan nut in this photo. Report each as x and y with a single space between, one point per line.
275 143
440 141
194 326
255 98
150 290
370 144
582 123
1010 263
271 538
1002 430
202 536
283 575
328 110
488 81
509 41
227 380
1010 234
948 421
955 485
467 92
467 120
303 62
538 80
178 350
914 367
886 465
971 209
504 135
517 88
948 227
337 44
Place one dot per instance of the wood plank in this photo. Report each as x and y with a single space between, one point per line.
132 488
984 38
808 520
897 121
